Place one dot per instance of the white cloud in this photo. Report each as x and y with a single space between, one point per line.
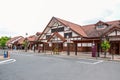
31 16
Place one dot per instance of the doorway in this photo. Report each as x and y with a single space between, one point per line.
57 46
115 47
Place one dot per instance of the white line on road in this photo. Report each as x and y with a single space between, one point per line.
7 61
86 62
98 62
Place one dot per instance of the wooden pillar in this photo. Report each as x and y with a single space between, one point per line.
34 47
98 50
75 48
43 47
68 48
119 48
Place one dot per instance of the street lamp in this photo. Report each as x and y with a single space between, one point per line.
68 45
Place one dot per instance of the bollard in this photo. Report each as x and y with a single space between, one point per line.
5 56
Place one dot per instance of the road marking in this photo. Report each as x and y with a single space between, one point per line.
7 61
87 62
98 62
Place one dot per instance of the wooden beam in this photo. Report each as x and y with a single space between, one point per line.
75 48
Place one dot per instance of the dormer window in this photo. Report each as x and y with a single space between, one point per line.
101 25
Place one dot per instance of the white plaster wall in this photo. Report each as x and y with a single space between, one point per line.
61 33
44 37
112 34
118 32
87 44
66 28
44 41
65 44
74 34
50 44
79 44
49 31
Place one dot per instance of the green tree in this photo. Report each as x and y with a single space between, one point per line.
105 46
25 44
3 41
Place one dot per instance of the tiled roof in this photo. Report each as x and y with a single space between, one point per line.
21 41
88 31
32 38
15 39
91 30
111 28
75 27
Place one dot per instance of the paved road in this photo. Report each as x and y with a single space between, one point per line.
46 67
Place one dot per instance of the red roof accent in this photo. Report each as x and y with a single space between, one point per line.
32 38
58 35
21 41
91 30
88 31
17 39
75 27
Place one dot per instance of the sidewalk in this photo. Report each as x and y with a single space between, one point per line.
1 58
86 55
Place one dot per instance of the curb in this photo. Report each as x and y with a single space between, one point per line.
93 58
7 61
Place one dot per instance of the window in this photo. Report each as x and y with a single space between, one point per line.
60 29
100 26
53 30
47 36
68 34
57 29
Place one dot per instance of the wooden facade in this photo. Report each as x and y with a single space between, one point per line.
15 43
59 33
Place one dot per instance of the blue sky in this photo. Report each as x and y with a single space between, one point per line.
18 17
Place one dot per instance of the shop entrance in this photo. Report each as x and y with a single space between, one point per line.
115 47
57 47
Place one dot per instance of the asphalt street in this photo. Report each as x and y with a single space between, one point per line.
48 67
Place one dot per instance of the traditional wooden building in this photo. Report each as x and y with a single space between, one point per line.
61 35
16 42
32 41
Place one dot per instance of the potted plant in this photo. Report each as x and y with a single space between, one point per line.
105 46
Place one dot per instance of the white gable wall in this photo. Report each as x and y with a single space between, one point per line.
74 34
56 24
112 33
118 32
61 33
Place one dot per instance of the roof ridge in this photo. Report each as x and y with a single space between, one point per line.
101 21
85 35
66 21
